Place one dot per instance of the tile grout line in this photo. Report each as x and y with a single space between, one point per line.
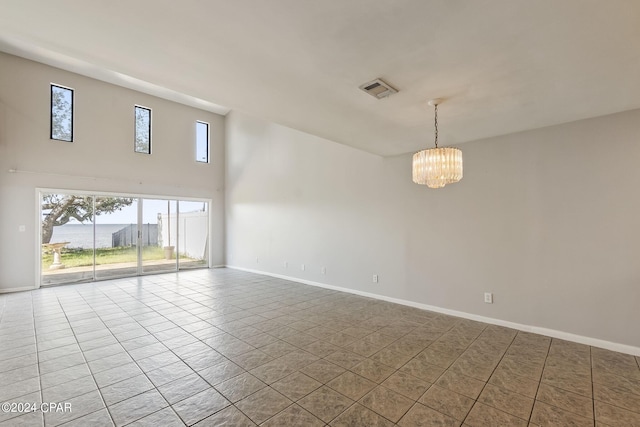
181 359
134 360
33 330
546 356
319 358
379 384
86 363
431 343
398 369
114 302
269 386
593 392
157 294
35 336
558 386
492 372
293 402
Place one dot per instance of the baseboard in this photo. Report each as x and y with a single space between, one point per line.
553 333
22 289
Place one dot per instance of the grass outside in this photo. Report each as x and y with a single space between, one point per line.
75 257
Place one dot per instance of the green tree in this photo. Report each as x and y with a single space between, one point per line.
143 137
59 209
61 114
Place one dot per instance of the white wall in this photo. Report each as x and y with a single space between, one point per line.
101 158
547 220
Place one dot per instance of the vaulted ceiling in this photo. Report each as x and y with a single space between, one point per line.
502 66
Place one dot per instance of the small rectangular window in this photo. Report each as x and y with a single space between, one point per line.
61 113
202 142
143 130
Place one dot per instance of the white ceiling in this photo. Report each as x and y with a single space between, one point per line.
502 66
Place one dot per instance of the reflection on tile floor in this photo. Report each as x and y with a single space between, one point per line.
223 347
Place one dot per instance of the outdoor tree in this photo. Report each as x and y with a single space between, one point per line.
59 209
61 114
143 127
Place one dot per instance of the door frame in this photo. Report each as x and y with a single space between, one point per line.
39 191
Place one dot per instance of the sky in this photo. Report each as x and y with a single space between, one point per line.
150 210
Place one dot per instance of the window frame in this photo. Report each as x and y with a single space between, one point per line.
135 128
208 136
73 94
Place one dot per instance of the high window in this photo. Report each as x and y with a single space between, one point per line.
143 130
202 142
61 113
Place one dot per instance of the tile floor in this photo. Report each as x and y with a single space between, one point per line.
227 348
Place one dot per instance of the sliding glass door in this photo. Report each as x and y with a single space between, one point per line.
116 239
159 232
67 236
87 237
193 232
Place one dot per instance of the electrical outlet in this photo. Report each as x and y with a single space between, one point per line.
375 278
257 260
286 264
302 267
22 228
323 270
488 297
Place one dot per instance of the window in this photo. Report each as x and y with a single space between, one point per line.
202 142
61 113
103 235
143 130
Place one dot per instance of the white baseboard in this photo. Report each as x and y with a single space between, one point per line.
595 342
22 289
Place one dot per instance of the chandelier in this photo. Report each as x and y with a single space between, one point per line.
437 167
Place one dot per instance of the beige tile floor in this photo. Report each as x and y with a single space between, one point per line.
223 347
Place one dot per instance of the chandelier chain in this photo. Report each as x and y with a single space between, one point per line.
436 123
437 167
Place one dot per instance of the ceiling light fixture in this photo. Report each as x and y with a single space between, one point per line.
437 167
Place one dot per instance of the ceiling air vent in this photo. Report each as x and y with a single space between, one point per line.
377 88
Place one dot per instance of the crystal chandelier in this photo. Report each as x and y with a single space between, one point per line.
437 167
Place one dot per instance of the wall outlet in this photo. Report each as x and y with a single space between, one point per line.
375 278
302 267
323 270
286 264
257 260
488 297
22 228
